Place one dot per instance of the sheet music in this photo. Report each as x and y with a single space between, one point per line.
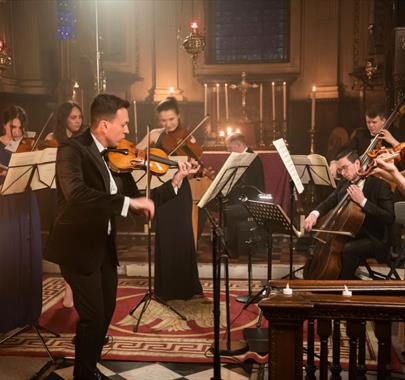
313 167
234 167
44 176
288 163
20 169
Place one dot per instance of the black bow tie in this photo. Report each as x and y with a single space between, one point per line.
104 154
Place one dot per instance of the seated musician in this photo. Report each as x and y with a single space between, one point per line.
375 121
251 183
374 197
361 137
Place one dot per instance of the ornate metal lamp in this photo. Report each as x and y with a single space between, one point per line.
5 58
194 43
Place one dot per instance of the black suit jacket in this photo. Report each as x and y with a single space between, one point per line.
79 234
379 208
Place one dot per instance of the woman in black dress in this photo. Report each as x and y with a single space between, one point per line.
20 238
176 272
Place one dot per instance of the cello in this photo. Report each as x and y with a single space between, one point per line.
341 224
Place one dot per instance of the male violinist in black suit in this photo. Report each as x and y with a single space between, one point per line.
374 197
82 240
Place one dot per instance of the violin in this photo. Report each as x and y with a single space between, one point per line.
397 154
126 157
29 144
180 143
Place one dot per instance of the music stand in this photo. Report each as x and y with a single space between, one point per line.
275 220
24 173
150 294
296 187
226 179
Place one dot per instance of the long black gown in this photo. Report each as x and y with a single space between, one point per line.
176 272
20 258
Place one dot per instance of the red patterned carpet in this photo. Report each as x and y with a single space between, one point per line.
162 335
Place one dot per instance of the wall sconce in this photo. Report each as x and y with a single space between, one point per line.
194 43
5 58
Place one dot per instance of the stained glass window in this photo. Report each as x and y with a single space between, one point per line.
248 31
66 13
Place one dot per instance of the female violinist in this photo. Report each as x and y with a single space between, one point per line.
20 240
176 272
69 122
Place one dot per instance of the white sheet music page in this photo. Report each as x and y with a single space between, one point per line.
288 163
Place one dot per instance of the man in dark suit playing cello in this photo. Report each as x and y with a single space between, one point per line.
82 240
374 197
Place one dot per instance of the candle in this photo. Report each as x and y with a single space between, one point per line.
261 103
135 122
346 292
205 99
287 290
221 134
226 102
284 101
171 90
218 109
313 101
273 101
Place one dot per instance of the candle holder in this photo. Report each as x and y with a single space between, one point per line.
312 140
194 43
261 135
5 58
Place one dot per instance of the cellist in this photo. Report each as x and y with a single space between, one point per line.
373 195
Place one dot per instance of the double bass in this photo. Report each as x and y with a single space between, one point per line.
341 224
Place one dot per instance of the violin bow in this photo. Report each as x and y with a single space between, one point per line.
42 131
182 141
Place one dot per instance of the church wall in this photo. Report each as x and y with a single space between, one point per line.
143 59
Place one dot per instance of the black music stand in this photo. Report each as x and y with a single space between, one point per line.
20 178
275 220
221 187
273 217
150 294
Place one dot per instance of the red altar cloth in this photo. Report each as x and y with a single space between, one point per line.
275 174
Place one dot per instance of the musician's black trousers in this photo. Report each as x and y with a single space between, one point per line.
94 296
356 252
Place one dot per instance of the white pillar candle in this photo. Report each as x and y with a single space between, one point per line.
226 102
205 99
313 105
218 109
284 101
261 103
135 122
273 101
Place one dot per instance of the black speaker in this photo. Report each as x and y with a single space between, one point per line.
399 60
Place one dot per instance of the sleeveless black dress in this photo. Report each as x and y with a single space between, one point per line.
176 272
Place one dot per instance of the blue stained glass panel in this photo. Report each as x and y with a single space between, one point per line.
248 31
